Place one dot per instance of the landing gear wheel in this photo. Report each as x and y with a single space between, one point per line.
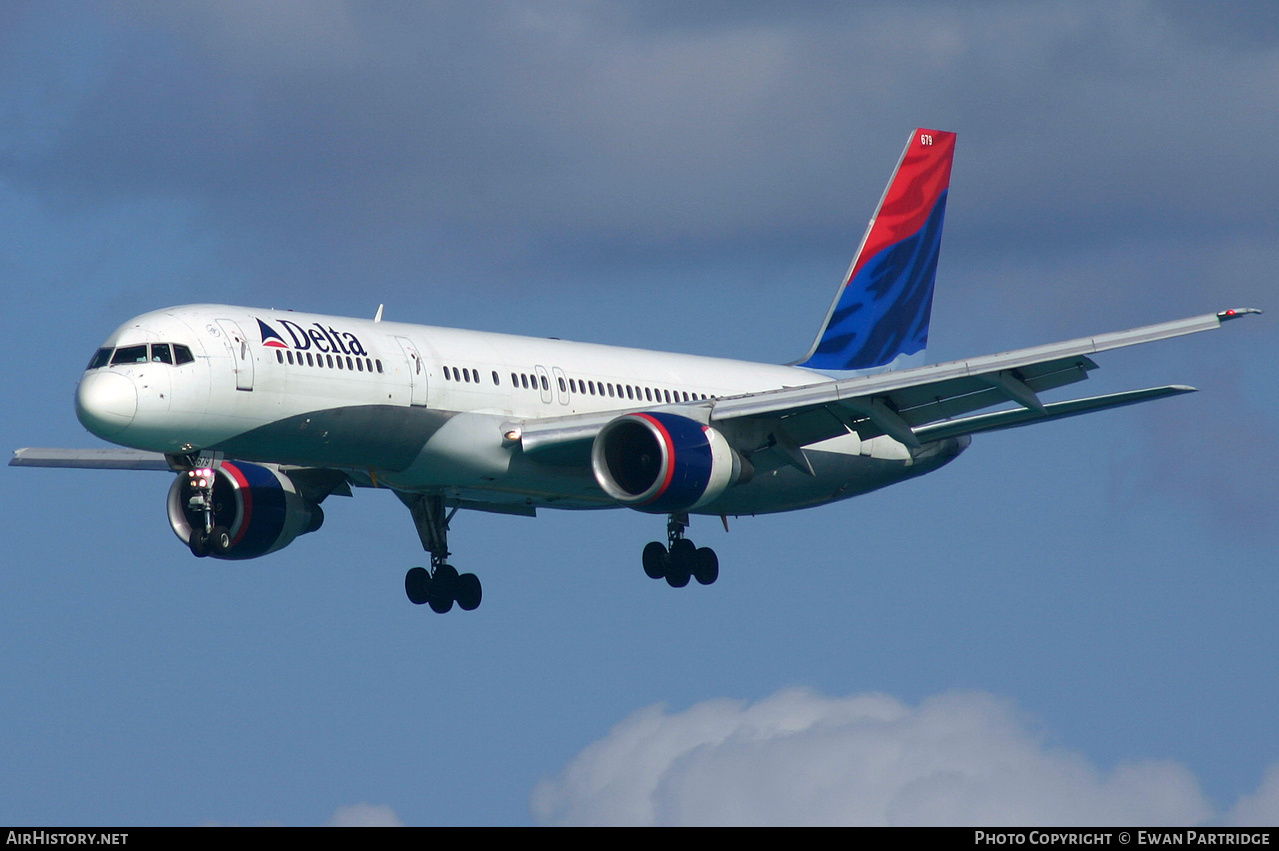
706 567
417 585
199 543
443 588
682 561
219 541
468 592
655 559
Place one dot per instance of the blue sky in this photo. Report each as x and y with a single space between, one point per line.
1071 623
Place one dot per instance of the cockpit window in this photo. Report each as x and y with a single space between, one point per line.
100 359
174 354
130 354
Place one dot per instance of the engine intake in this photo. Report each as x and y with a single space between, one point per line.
258 506
661 462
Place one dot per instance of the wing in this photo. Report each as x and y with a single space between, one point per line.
316 483
91 459
912 406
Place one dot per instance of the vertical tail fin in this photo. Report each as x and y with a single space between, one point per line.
882 308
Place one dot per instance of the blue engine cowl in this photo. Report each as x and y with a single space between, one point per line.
662 463
258 505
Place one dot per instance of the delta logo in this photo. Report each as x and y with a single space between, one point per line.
317 337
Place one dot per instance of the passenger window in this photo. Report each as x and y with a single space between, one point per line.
545 385
130 354
563 386
496 381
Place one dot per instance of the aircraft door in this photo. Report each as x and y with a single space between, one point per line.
241 354
544 384
561 380
417 371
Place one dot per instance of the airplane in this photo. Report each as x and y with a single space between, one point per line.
264 414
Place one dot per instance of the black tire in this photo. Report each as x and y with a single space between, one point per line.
683 560
706 569
417 585
656 559
468 592
219 541
443 587
199 543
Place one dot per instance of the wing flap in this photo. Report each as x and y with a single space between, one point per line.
1055 411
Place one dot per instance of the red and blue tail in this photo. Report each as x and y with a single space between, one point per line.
881 311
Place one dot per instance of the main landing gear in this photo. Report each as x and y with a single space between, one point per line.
680 559
442 585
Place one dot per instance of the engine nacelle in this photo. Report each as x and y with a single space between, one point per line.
258 506
662 462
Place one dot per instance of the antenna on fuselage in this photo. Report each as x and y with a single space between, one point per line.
378 317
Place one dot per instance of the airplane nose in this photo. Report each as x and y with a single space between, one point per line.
106 402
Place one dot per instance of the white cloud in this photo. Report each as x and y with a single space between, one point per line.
1261 808
364 815
798 757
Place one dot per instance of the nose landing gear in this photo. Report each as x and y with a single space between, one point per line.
206 538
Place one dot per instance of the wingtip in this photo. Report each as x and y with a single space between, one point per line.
1236 312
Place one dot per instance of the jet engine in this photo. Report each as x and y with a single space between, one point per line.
239 510
662 463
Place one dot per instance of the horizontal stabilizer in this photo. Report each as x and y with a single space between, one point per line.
1056 411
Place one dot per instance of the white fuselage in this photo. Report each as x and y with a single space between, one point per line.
430 409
